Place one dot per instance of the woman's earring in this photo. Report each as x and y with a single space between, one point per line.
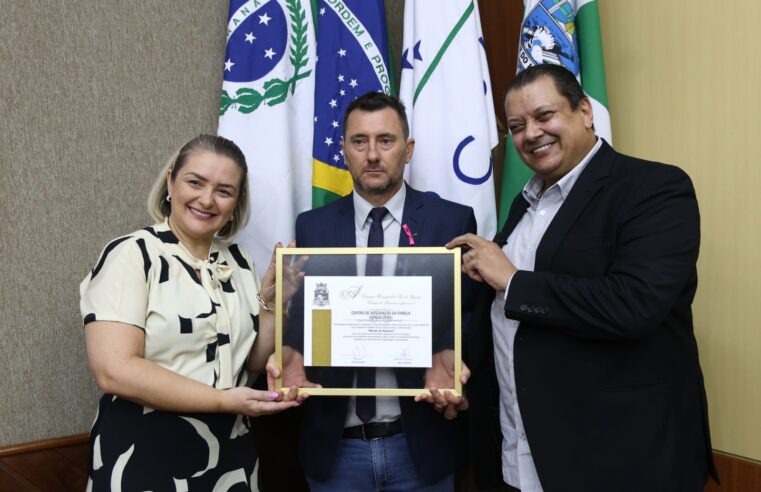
168 197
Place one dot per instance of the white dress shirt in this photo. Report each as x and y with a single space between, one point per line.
386 407
518 467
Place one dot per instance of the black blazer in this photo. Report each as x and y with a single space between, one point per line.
606 363
430 438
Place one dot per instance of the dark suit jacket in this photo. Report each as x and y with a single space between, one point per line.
606 364
430 438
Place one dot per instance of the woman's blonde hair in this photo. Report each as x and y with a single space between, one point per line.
160 208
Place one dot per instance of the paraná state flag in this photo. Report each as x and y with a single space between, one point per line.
266 108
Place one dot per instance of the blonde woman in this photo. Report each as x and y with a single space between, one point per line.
174 317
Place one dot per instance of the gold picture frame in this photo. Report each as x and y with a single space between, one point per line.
412 257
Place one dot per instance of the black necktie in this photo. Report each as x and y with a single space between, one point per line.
374 267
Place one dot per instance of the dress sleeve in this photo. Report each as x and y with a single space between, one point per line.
117 288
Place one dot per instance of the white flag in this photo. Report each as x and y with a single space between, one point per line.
267 109
446 89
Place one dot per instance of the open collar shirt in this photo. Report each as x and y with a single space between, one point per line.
518 467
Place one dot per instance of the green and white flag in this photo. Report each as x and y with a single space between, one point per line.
563 32
446 89
267 109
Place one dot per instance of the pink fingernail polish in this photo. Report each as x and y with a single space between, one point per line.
273 395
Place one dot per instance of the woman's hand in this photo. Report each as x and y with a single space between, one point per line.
294 375
293 276
251 402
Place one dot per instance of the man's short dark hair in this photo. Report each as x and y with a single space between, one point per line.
565 82
375 101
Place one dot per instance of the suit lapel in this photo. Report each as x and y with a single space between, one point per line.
517 209
413 217
587 185
344 226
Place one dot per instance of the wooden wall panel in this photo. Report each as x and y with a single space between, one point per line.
737 475
50 465
500 23
61 465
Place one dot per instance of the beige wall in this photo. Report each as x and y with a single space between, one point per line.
94 97
684 80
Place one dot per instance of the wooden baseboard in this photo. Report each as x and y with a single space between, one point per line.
42 466
737 474
44 444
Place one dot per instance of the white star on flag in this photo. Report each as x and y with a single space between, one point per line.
340 78
353 83
322 11
264 19
333 103
342 92
328 140
269 54
336 158
342 52
335 124
250 37
229 65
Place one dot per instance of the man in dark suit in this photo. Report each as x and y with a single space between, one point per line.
400 444
586 300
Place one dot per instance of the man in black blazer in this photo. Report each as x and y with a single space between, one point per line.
408 445
586 301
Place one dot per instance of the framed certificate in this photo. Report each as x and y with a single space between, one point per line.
404 324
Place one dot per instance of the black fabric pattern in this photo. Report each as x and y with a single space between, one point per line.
191 271
164 273
166 446
90 318
106 251
165 236
211 350
223 338
227 286
255 319
186 325
146 259
214 307
238 257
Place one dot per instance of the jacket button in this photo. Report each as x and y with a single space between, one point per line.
523 307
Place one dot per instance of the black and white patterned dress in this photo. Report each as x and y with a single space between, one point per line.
202 328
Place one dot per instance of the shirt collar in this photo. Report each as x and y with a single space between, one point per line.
532 191
395 207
